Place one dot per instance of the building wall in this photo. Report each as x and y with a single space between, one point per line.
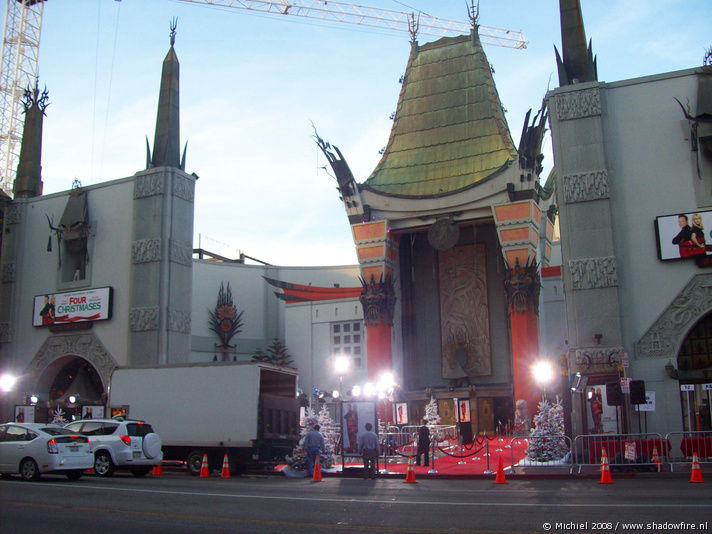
634 131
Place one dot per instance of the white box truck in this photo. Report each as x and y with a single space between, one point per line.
248 411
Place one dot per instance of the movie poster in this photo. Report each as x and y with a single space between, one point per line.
601 418
24 414
463 410
400 413
93 412
354 417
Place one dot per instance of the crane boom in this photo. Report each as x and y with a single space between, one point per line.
18 70
345 13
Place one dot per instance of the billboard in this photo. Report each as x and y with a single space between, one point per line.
682 235
353 420
72 307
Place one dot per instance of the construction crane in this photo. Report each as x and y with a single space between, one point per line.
23 24
386 19
18 70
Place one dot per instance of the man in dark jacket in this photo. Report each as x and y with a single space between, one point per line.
423 444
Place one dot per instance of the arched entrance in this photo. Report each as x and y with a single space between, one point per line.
694 364
70 365
66 387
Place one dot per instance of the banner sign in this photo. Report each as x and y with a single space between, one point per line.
72 307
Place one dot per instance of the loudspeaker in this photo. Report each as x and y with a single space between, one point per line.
637 392
614 395
466 432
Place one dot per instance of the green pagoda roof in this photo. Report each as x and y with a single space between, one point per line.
449 131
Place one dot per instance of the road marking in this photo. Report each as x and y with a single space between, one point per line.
626 505
288 525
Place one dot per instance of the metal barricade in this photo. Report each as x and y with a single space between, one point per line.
542 451
396 446
684 444
624 451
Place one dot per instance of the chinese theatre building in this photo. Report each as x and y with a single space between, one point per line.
450 236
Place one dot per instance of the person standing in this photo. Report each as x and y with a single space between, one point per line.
368 446
423 444
313 446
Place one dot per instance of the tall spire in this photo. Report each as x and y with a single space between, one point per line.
28 181
578 63
166 143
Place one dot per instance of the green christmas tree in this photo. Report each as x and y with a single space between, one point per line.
276 354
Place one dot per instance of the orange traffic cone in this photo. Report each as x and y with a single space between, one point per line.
317 471
499 479
204 473
157 472
410 473
605 469
656 459
225 473
696 475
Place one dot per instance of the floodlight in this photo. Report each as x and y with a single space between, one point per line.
543 373
7 382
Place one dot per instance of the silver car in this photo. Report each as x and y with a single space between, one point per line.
30 449
120 444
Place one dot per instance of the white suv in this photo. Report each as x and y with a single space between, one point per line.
120 444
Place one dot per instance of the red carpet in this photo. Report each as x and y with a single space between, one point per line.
451 460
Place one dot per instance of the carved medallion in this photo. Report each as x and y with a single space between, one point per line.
443 234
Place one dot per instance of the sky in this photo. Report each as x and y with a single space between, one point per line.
254 86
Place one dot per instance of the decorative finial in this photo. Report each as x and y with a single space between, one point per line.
413 26
174 25
33 96
474 13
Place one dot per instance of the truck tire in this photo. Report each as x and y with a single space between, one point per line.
151 445
194 462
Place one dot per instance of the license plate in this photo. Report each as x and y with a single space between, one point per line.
74 448
137 454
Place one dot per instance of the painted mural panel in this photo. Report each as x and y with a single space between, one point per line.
464 313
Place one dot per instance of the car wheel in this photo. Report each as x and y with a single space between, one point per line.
194 463
73 475
29 469
140 471
103 466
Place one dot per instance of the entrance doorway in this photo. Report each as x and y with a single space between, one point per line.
694 363
68 384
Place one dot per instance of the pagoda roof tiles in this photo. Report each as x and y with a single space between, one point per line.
449 131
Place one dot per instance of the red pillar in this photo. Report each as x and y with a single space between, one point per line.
525 351
378 343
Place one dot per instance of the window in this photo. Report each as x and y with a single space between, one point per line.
346 337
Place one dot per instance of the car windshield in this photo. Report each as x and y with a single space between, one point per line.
56 430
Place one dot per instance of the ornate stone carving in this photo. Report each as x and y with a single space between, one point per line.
146 250
87 346
593 273
664 338
443 234
148 186
12 214
5 333
8 273
183 188
464 313
179 320
586 186
180 253
378 298
592 359
577 104
521 286
143 319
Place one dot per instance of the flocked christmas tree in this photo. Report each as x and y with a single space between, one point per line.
432 419
298 460
546 440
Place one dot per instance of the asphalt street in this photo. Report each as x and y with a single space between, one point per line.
176 503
